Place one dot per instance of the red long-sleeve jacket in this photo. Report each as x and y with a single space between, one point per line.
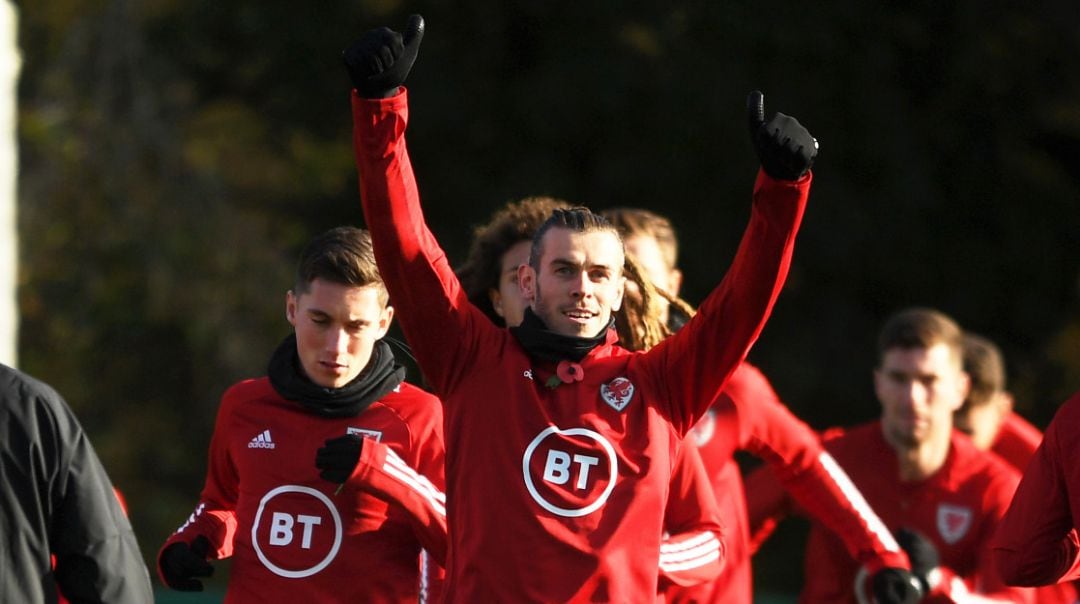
557 494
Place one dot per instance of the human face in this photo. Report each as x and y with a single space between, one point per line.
336 329
983 422
646 251
919 389
508 300
580 281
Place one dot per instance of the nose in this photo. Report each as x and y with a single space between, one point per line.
582 286
913 394
337 341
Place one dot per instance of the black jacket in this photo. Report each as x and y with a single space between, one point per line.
55 498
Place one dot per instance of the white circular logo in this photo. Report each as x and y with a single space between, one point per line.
572 469
287 528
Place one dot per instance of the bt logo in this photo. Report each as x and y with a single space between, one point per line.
297 531
571 472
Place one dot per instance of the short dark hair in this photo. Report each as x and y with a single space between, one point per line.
985 364
516 222
342 255
920 328
577 219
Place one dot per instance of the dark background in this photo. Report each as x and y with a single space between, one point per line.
175 155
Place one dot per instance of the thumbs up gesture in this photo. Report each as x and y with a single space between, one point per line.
783 145
380 60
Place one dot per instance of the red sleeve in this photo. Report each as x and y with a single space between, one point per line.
695 362
1036 542
215 515
437 316
383 473
812 477
693 550
1016 441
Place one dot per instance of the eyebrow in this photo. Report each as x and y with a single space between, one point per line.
558 262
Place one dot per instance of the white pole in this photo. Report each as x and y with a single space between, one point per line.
10 63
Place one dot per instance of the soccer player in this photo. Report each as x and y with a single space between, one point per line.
296 533
57 504
1037 543
750 416
987 415
562 441
692 550
931 486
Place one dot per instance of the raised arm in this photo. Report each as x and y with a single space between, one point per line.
434 311
695 363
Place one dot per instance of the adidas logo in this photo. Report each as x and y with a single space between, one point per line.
262 441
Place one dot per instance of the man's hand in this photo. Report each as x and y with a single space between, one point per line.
338 457
783 145
895 586
923 556
380 60
180 562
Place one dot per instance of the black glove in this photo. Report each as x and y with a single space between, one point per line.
381 59
922 554
783 145
180 562
896 586
338 457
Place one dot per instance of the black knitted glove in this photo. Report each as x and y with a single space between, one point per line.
380 60
338 457
921 552
783 145
181 562
896 586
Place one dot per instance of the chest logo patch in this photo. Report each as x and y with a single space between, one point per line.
570 473
374 435
617 393
953 522
297 531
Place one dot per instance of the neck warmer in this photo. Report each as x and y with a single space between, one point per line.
542 343
380 377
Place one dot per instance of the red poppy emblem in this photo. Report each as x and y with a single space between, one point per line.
617 393
569 372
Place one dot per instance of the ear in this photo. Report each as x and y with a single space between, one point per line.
496 302
527 281
879 381
616 304
291 305
385 318
964 384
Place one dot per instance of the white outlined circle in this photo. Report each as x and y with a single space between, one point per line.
296 574
547 505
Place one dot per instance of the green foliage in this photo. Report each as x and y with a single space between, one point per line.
175 156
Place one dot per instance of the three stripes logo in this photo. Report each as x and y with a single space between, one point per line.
262 441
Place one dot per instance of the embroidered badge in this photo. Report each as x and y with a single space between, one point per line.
374 435
617 393
953 522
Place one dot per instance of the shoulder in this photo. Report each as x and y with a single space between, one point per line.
17 388
986 470
413 404
247 390
748 382
858 440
